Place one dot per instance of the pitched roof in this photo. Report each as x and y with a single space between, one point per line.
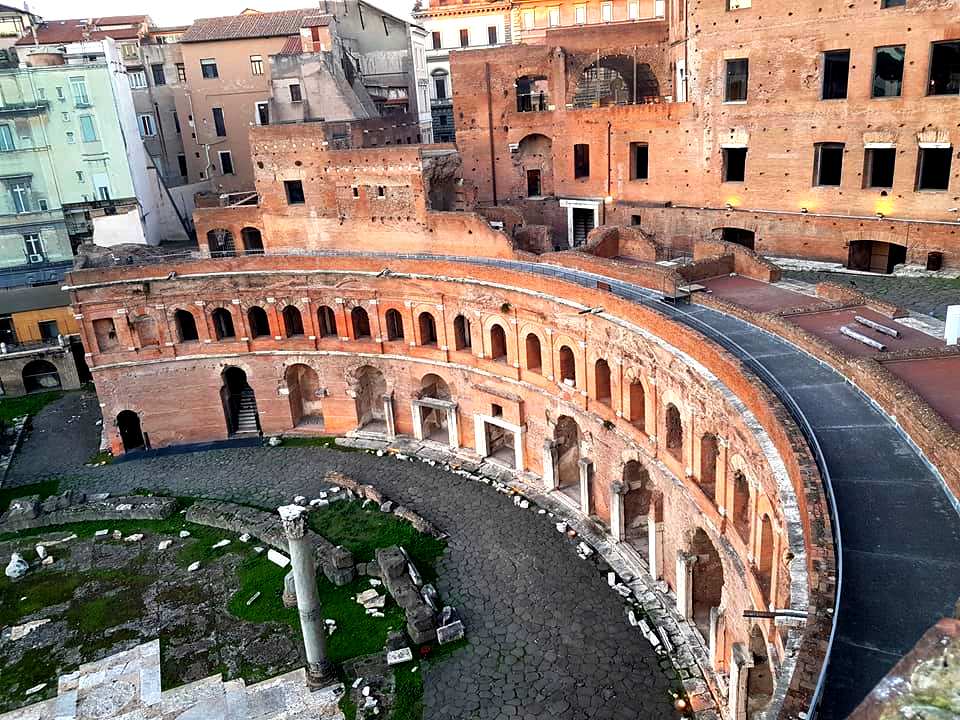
54 32
253 25
121 20
293 46
317 21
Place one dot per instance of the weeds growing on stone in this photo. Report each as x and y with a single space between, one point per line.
11 408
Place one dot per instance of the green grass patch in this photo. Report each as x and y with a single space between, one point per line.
38 590
408 704
104 456
321 441
36 666
44 489
363 530
11 408
120 602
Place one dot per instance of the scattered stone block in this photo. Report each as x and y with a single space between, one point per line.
376 603
396 657
259 550
164 544
17 567
387 506
184 533
396 640
366 596
21 631
35 689
245 537
274 441
392 562
41 551
414 575
117 535
222 543
561 527
136 537
101 533
48 560
300 500
253 598
277 558
375 582
193 566
124 507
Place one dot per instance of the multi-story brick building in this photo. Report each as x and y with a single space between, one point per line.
775 127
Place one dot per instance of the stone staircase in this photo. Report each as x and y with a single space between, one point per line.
247 421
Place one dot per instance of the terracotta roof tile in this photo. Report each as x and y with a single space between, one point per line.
253 25
69 31
317 21
293 46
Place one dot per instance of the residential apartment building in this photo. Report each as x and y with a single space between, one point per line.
774 127
454 26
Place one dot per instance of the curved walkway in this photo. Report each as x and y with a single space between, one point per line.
547 636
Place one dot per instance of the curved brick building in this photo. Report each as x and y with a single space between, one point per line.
343 303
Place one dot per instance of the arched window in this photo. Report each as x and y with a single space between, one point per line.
615 80
327 320
361 323
259 325
40 375
222 323
146 330
602 381
394 324
638 405
765 557
428 329
461 333
292 321
220 243
498 344
252 241
186 326
709 453
568 366
674 432
741 506
534 359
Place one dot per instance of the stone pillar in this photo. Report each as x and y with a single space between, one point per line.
952 330
417 420
585 466
617 491
480 436
740 663
684 587
655 545
388 416
712 639
453 431
550 464
320 671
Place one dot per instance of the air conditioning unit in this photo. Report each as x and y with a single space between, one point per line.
514 147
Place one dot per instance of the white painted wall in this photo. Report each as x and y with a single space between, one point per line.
119 229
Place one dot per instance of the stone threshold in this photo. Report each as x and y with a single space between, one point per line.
676 640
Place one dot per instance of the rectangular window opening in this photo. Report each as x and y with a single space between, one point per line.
159 78
735 88
256 65
492 35
464 38
294 191
533 183
295 95
827 164
553 16
878 166
639 161
933 168
226 162
181 73
836 71
734 164
218 123
436 40
208 68
581 161
945 68
888 71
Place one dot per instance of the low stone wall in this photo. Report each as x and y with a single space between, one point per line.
746 262
848 296
610 241
74 507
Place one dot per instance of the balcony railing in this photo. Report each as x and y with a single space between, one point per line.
24 108
533 102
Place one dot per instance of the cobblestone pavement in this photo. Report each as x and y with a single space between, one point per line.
926 295
547 637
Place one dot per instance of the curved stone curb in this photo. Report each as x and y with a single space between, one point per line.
29 512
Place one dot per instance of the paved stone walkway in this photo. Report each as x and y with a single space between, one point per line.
547 637
929 296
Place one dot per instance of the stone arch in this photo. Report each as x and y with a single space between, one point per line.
327 321
394 322
709 456
239 402
875 255
259 323
433 421
637 404
615 80
128 425
427 326
533 351
674 428
186 325
601 381
370 386
568 366
740 512
736 235
567 436
304 393
220 243
292 321
764 558
147 330
360 322
498 343
461 333
252 241
759 675
222 324
39 376
534 163
638 503
707 578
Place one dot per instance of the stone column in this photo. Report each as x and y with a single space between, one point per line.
453 431
585 466
417 420
549 464
740 663
655 545
388 416
684 588
617 491
712 639
320 671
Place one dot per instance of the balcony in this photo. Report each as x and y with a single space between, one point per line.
29 107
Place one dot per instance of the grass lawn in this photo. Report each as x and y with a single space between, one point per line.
11 408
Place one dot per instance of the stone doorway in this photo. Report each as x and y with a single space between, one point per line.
239 403
128 424
371 388
498 440
567 437
306 405
434 412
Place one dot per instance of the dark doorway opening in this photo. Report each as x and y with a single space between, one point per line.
739 236
239 403
128 423
875 256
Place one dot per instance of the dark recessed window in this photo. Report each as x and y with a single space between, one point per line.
735 89
533 183
294 190
892 3
295 95
492 35
878 165
933 168
888 71
218 123
734 164
945 68
581 161
208 68
158 77
827 163
836 71
436 41
464 38
639 161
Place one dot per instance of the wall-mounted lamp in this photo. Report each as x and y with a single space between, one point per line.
879 216
729 206
804 210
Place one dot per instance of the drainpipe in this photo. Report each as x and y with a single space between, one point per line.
493 154
609 170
